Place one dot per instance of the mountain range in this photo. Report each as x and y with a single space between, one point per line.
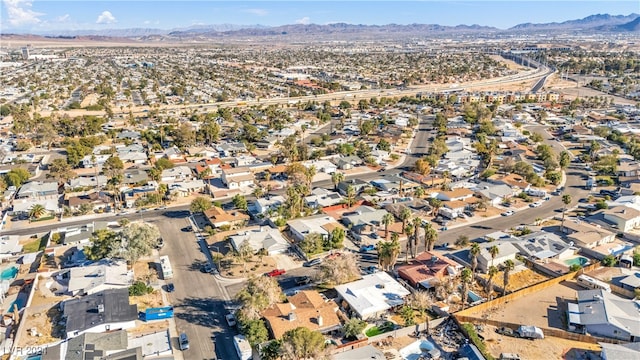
594 24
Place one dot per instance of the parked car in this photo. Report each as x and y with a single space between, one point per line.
231 319
303 280
365 248
370 269
207 268
508 213
183 341
535 204
275 272
187 228
313 262
170 287
507 332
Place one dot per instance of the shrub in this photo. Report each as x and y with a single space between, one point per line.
462 240
574 267
139 288
609 261
470 330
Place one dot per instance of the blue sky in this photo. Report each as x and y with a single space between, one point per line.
37 16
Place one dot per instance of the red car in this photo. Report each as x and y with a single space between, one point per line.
275 272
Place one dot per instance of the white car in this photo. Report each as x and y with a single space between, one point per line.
231 319
508 213
535 204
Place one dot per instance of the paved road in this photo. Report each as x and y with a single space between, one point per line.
198 299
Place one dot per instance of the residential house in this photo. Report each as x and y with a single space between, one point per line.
93 160
266 204
132 154
542 245
629 351
631 282
429 269
321 224
236 178
321 197
187 188
9 246
135 177
601 313
625 218
348 162
514 180
128 135
373 295
494 193
172 154
38 190
305 309
418 207
81 234
96 200
587 236
176 174
103 275
394 184
364 352
243 160
357 185
130 195
100 312
363 219
506 251
82 182
263 237
231 149
459 194
218 217
91 346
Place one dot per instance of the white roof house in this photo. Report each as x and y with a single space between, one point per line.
9 245
178 173
373 295
321 224
104 275
600 313
262 238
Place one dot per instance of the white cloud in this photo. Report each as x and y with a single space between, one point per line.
258 12
63 18
147 22
304 21
106 18
19 12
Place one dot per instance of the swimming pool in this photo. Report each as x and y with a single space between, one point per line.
473 297
579 260
9 273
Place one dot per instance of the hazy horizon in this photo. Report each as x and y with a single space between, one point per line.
46 17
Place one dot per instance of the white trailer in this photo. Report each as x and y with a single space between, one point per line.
243 348
165 267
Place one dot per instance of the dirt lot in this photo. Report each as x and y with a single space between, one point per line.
517 280
546 313
255 267
548 348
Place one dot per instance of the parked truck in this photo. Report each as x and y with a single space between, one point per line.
530 332
243 348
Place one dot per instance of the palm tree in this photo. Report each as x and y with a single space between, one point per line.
507 268
405 214
351 196
430 236
387 220
408 230
37 211
336 178
388 252
491 272
417 224
466 276
493 251
566 200
473 255
309 173
419 192
435 204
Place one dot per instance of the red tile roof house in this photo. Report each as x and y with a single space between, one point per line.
428 269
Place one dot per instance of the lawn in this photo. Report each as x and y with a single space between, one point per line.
35 245
373 331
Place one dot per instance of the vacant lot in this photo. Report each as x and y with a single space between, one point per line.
548 311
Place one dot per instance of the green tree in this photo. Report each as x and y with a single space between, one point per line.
407 315
336 238
104 244
60 170
351 196
565 159
272 350
200 205
388 252
302 343
163 164
493 251
609 261
474 252
113 167
387 220
336 178
240 202
138 240
353 327
258 294
254 331
16 177
492 272
37 211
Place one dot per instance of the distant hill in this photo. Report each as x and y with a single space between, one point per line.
592 22
342 31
